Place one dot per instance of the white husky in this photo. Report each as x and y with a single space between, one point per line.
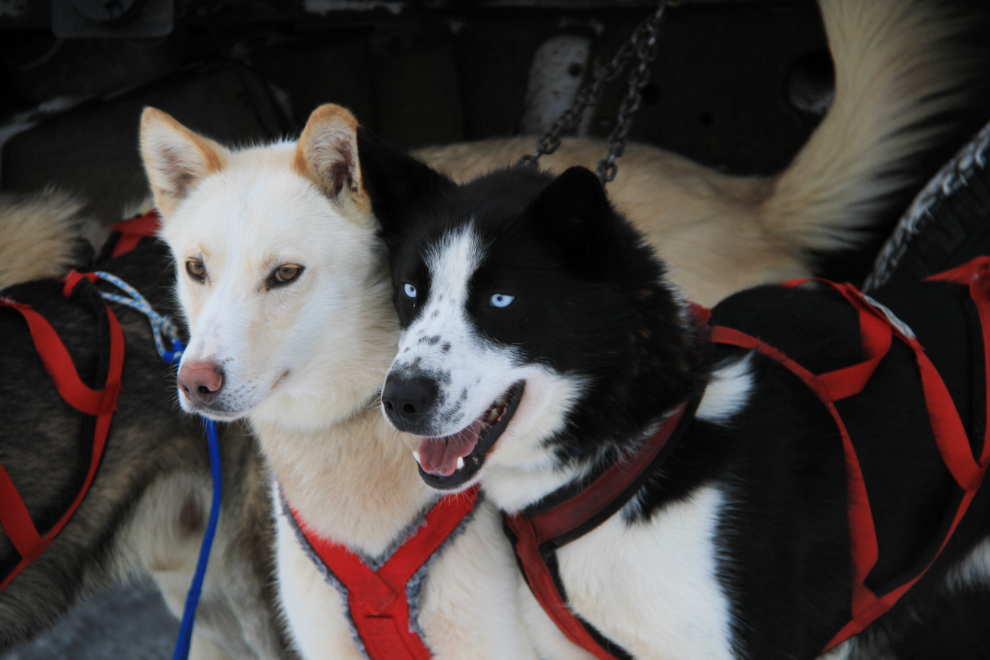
284 287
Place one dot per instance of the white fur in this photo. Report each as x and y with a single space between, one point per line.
159 544
650 587
234 320
727 393
522 470
315 610
974 569
842 651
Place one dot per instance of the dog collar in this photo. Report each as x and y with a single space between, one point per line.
572 512
382 602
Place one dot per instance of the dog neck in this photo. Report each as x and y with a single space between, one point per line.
345 470
354 482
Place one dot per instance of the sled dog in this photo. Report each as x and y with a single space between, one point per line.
145 513
762 488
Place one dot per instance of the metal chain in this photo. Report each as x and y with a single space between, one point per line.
643 44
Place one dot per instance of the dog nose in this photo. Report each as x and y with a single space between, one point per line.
408 400
200 381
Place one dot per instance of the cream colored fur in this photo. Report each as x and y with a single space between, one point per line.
896 67
39 235
317 351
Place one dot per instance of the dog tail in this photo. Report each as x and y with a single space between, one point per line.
896 70
40 235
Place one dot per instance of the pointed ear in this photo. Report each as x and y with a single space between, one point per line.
327 154
175 158
397 183
573 212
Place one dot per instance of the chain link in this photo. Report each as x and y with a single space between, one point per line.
642 44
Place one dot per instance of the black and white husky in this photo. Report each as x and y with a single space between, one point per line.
542 343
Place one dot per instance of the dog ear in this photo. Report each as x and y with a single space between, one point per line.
575 215
175 158
397 183
327 154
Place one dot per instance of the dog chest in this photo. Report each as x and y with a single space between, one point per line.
651 582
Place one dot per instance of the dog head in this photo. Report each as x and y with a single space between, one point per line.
530 309
274 249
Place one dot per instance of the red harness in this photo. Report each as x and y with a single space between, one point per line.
14 516
15 520
377 599
536 536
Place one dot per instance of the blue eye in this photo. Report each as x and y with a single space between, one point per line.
410 290
501 300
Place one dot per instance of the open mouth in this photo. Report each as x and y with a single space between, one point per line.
450 461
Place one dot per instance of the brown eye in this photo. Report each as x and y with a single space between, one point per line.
285 274
196 269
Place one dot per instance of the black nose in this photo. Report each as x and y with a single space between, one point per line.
408 401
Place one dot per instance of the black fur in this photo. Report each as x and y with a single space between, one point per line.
590 301
621 322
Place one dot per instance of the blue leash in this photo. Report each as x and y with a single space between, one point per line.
162 326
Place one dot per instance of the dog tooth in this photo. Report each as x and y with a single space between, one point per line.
416 456
460 462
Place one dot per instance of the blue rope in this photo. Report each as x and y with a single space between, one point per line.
162 326
192 598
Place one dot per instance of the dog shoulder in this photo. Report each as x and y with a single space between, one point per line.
656 580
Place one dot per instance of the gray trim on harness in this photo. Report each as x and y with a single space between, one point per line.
414 587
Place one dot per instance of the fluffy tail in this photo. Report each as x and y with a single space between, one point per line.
896 70
40 235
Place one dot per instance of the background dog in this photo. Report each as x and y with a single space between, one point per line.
898 66
146 510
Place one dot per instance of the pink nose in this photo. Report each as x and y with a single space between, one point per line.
200 381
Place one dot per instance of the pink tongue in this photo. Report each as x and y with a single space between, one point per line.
439 455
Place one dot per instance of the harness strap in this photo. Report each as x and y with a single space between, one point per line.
976 276
14 516
608 490
133 230
829 388
878 326
536 533
377 599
